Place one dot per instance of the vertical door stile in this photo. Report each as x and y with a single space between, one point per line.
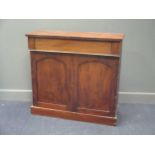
71 82
33 77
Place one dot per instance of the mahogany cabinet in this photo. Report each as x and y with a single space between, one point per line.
75 75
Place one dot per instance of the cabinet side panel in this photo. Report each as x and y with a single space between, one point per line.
31 43
34 77
116 47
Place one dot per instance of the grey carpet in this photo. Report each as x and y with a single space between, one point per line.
15 119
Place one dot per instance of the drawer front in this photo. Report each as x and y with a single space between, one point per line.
92 47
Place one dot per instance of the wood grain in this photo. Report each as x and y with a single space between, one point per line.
75 45
96 80
77 35
51 78
75 76
31 43
74 115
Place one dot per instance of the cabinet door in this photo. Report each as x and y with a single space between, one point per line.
50 78
96 85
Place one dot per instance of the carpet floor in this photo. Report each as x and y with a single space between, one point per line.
133 119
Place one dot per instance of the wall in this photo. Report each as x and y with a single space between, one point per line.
137 82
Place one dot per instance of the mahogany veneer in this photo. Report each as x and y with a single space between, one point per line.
75 75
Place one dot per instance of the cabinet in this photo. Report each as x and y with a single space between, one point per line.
75 75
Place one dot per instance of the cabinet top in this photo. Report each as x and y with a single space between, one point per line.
77 35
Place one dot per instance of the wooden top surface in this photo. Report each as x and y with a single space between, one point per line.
76 35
